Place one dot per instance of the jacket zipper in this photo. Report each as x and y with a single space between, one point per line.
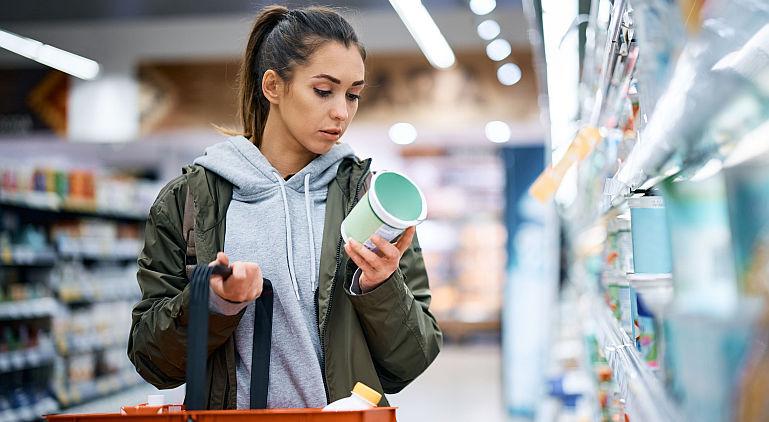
323 330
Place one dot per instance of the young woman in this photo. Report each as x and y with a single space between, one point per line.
269 202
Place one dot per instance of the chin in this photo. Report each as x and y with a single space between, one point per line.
320 148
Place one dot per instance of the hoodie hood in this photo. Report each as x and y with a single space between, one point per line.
241 163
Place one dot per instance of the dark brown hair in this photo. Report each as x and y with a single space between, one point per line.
280 40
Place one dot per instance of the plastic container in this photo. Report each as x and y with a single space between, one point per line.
362 397
700 238
651 241
392 204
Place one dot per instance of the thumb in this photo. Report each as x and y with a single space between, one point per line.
223 259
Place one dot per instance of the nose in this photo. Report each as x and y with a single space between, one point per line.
339 110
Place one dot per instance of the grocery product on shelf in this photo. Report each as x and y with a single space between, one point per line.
748 195
72 189
69 240
703 267
683 328
651 244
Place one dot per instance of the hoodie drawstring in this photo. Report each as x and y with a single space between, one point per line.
311 229
289 239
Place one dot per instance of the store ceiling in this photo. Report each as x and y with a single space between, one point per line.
60 11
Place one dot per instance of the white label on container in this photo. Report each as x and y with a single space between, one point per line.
384 231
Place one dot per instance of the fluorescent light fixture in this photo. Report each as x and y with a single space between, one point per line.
488 29
425 32
403 133
498 49
482 7
50 56
562 64
509 74
498 132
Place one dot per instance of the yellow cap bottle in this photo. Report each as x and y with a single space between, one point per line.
367 393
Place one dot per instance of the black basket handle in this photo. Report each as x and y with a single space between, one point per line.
197 339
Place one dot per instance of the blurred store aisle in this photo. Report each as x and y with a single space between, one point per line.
463 384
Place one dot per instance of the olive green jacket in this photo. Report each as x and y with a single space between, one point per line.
384 338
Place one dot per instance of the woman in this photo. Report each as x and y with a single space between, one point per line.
270 202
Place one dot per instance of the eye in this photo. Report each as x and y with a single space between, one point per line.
322 93
353 97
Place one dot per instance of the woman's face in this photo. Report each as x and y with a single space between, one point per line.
322 98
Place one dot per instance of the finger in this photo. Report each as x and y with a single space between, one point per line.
405 241
357 259
387 249
373 260
217 284
221 259
239 270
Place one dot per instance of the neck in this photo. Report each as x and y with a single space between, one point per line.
281 149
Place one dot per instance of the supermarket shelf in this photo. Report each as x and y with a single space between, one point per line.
77 344
97 294
458 330
27 309
19 258
17 360
51 202
43 406
82 392
645 393
120 256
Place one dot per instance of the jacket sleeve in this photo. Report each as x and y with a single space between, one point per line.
157 345
402 334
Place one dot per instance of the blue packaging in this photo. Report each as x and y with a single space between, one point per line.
651 241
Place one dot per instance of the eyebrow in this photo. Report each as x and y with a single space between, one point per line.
335 80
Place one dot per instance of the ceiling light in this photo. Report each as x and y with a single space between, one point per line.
50 56
498 132
482 7
403 133
425 32
488 29
509 74
498 49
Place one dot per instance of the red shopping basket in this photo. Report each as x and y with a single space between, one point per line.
379 414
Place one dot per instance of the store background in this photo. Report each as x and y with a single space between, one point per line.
614 285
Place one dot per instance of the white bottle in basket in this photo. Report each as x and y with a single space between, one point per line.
363 397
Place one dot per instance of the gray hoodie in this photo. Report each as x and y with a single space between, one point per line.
279 225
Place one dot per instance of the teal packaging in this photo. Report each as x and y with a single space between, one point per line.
392 204
651 242
703 265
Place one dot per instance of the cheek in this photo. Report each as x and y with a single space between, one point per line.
303 109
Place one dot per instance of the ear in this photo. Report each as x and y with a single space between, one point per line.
272 86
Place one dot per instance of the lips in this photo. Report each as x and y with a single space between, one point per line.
331 134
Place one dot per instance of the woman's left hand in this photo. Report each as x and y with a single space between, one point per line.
378 267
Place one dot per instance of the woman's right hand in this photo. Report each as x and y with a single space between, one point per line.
245 283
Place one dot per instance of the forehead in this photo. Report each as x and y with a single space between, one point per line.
333 58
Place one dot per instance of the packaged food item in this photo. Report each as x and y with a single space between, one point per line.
392 204
703 267
651 241
361 397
